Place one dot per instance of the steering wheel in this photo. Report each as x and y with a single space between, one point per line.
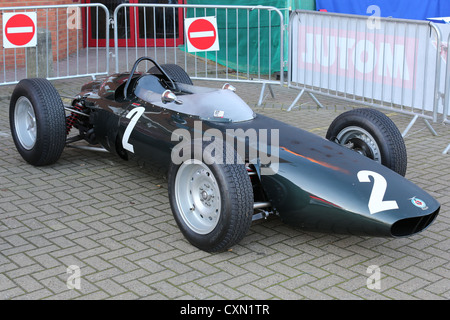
125 89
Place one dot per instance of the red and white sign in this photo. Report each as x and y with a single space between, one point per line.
201 34
19 30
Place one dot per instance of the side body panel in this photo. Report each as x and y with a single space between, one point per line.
319 185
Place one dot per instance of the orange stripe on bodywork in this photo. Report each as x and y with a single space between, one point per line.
322 163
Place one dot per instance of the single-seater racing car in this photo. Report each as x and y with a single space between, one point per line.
228 166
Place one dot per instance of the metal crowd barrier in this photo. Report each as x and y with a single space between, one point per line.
251 41
393 64
62 49
446 112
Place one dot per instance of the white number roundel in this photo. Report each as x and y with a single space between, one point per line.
376 202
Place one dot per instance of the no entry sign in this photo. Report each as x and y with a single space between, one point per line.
201 34
19 30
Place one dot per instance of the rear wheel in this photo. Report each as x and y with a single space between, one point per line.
372 134
37 121
175 72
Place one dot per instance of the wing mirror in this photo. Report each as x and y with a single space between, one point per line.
168 97
228 86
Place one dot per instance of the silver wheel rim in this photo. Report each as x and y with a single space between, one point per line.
25 123
197 196
345 136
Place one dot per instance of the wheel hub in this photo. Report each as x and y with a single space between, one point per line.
198 196
25 123
361 141
206 194
360 146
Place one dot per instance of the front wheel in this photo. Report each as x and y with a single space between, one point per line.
211 203
38 122
372 134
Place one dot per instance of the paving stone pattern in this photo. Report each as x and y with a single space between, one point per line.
112 220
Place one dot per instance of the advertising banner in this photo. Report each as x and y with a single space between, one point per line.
392 62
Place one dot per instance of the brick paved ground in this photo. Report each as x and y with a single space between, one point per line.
112 219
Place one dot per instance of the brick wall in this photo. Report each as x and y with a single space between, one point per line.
63 33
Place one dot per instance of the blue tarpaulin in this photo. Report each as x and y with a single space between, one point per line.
403 9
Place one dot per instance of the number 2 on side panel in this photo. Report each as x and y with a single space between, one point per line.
376 202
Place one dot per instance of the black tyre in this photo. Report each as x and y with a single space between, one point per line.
38 121
211 203
175 72
373 134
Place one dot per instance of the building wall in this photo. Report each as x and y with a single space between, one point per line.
64 33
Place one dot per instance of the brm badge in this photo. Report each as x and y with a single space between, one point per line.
419 203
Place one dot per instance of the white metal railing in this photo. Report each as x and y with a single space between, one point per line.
446 112
62 49
252 40
394 66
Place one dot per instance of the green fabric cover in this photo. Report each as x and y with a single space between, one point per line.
247 50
